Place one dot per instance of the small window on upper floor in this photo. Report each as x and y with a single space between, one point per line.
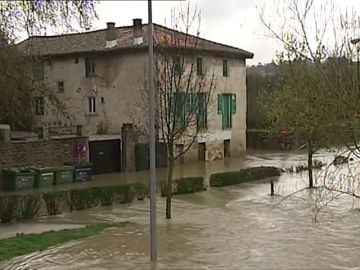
89 67
199 66
177 64
225 68
39 105
91 105
60 87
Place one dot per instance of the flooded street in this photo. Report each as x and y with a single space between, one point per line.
235 227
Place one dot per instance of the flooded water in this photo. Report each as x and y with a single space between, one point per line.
236 227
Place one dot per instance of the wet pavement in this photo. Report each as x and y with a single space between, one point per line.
235 227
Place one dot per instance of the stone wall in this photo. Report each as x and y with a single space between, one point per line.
41 152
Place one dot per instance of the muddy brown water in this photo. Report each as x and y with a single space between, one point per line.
237 227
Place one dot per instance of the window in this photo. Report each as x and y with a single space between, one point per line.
102 100
60 86
91 105
199 66
177 64
39 105
76 60
183 105
226 107
89 67
225 68
201 110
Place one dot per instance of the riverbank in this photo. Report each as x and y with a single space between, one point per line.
23 244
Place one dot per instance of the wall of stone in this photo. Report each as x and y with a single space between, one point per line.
41 152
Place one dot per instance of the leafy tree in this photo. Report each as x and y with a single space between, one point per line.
21 71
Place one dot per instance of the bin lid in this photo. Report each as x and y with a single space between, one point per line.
19 170
43 168
81 164
65 168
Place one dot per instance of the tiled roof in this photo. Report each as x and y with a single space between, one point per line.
94 41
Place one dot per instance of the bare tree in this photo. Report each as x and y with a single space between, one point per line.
184 88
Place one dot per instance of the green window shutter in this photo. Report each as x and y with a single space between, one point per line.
233 104
179 109
188 103
220 103
171 105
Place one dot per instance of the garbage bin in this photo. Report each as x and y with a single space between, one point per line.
44 176
82 171
64 175
18 178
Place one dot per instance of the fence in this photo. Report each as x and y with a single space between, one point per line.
46 132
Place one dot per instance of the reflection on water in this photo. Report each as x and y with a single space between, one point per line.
236 227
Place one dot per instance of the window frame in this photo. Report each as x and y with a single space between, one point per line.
60 86
90 68
39 105
199 66
225 68
91 105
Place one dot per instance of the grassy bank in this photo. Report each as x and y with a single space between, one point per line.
27 243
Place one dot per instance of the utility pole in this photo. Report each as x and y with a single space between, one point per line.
153 233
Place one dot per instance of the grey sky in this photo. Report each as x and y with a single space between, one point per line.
233 22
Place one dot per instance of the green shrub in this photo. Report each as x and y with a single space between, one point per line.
83 198
244 175
29 206
9 207
53 201
103 195
185 185
124 193
189 185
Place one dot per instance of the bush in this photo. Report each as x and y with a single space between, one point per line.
53 201
124 193
244 175
81 199
9 207
29 206
185 185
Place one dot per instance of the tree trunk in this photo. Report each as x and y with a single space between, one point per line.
169 187
310 163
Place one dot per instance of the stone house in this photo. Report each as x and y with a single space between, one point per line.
101 74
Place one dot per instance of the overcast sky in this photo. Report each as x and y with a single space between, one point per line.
232 22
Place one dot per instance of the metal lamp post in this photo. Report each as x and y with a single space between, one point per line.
153 233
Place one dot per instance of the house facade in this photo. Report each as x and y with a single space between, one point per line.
100 75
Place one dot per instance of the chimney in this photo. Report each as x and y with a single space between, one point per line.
110 35
137 32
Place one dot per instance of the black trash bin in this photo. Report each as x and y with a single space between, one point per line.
82 171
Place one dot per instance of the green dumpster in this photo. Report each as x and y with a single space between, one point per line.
18 178
82 171
44 177
64 175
